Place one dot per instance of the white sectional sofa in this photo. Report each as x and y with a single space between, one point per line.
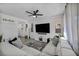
62 49
10 50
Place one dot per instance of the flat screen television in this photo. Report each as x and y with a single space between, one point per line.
43 28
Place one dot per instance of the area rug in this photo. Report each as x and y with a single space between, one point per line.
36 44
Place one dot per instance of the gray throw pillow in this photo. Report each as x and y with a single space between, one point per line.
55 41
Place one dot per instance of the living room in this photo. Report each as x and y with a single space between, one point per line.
35 29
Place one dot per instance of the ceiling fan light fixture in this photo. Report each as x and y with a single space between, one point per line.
34 16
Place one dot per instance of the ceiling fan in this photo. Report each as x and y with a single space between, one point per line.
34 13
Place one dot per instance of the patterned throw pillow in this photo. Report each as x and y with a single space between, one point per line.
55 41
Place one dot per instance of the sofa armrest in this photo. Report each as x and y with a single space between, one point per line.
64 49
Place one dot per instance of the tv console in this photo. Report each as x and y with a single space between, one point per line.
42 33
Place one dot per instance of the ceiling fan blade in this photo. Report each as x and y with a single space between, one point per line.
30 15
39 14
37 11
29 12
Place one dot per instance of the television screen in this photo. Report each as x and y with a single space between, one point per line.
43 28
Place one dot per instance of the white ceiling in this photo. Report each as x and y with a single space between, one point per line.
18 9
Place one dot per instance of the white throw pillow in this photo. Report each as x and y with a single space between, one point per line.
58 49
18 43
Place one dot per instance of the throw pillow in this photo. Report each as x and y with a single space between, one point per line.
55 41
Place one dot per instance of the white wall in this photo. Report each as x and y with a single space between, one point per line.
10 29
71 25
52 21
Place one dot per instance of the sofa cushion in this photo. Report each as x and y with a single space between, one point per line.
10 50
67 52
30 50
65 44
58 48
50 49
